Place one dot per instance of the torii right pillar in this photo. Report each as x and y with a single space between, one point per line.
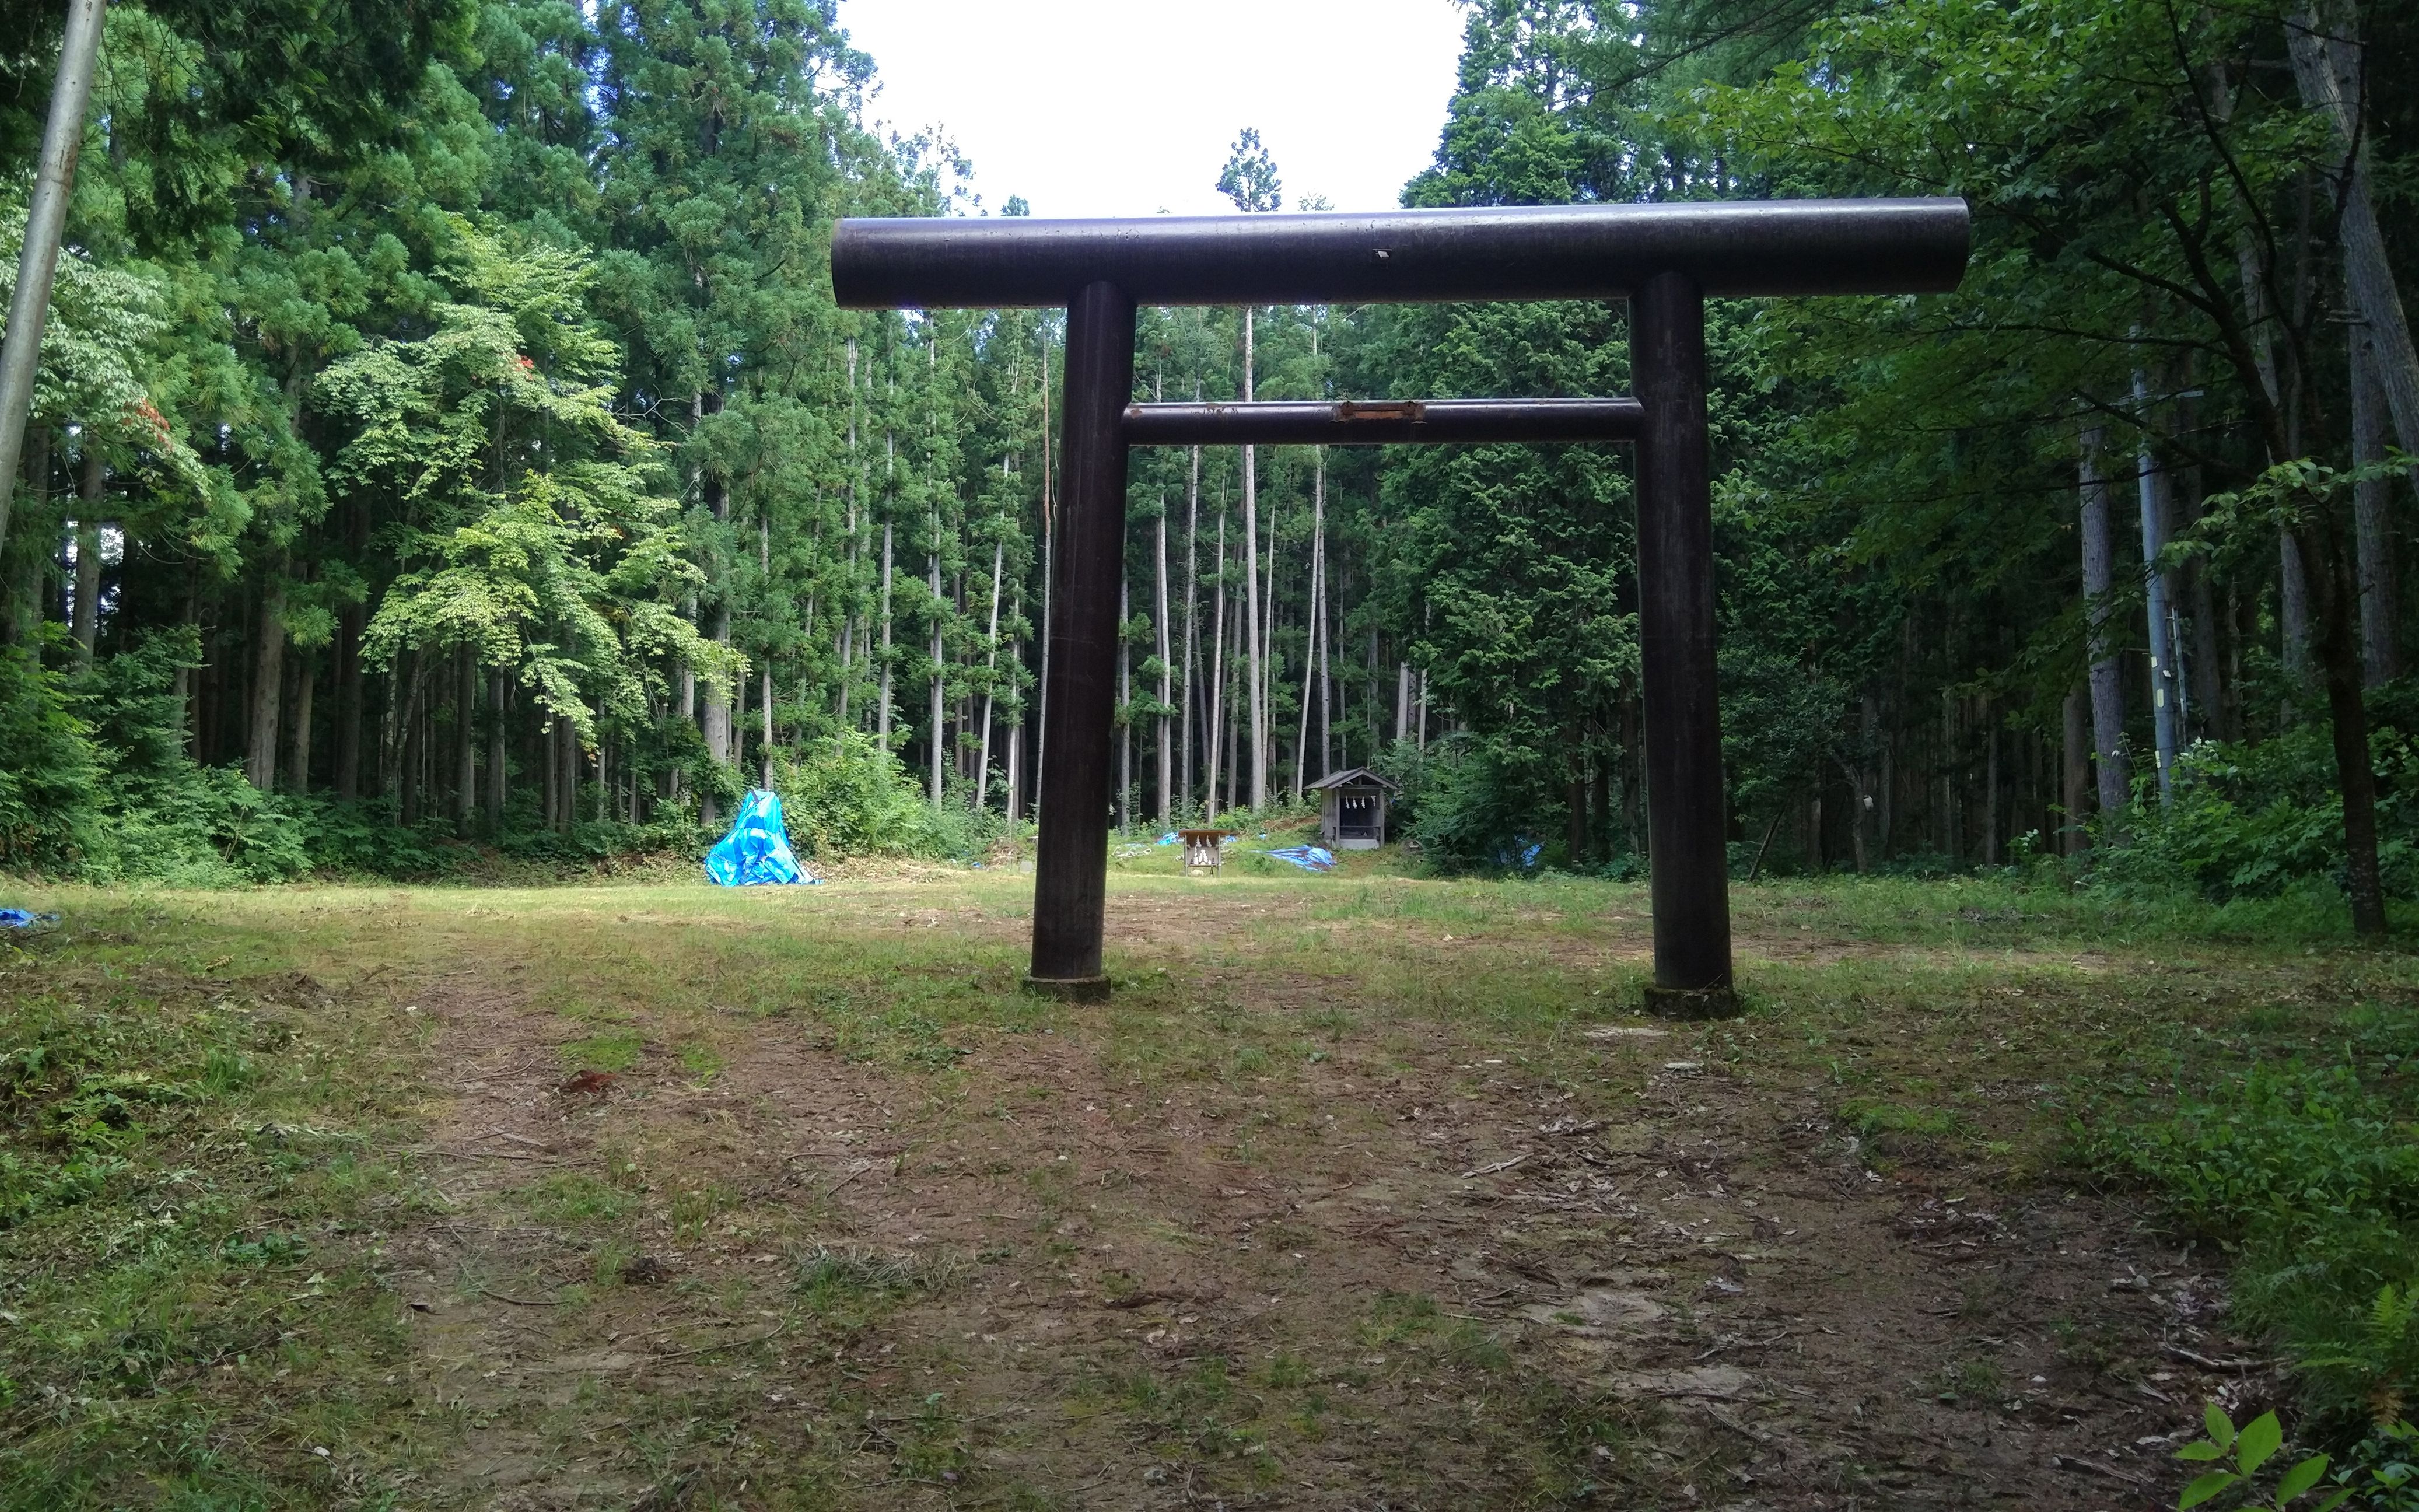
1688 830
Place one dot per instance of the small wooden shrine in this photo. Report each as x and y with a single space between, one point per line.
1203 849
1352 808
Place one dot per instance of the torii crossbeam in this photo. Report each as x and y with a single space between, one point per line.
1664 259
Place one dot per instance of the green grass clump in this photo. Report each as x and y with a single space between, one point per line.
2306 1169
187 1237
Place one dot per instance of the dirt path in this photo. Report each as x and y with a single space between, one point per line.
1419 1269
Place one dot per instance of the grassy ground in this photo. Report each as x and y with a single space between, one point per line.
1365 1189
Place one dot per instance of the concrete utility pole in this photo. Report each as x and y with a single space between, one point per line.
46 217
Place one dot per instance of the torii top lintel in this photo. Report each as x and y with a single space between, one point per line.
1561 252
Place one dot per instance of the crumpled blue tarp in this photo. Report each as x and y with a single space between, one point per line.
1308 857
1529 851
25 919
1168 839
756 853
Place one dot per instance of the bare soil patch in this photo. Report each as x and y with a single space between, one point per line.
1248 1238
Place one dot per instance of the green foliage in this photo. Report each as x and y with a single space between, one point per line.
2381 1471
848 796
1476 803
49 770
2250 819
2241 1456
2292 1145
2307 1173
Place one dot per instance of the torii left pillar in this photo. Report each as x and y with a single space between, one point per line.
1070 880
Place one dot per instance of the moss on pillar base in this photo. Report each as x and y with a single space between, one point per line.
1068 989
1692 1002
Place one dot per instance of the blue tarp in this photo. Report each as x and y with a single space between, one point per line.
756 853
1529 850
1308 857
25 919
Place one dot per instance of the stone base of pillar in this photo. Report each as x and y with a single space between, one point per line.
1067 989
1693 1002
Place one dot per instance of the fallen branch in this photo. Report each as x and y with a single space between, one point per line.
1499 1165
2078 1462
2177 1352
733 1344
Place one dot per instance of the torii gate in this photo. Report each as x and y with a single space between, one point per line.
1664 259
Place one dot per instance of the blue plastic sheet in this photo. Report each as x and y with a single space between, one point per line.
1526 860
756 853
1308 857
25 919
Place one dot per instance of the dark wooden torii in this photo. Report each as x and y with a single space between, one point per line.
1664 259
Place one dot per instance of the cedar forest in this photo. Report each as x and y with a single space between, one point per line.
446 440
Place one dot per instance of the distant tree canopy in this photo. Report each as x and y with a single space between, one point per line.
445 420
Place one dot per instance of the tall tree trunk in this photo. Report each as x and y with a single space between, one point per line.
1237 717
2279 398
570 781
717 720
298 751
2292 614
1951 826
496 777
1270 663
2075 787
1192 605
349 704
267 678
1990 788
882 711
1860 774
1016 722
2159 586
88 564
937 681
20 593
187 619
2212 692
1252 592
2372 521
1309 667
991 675
1327 761
1166 756
37 256
2324 50
408 695
719 728
2098 578
466 737
2334 589
1214 732
688 673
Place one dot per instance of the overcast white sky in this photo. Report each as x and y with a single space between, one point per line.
1128 107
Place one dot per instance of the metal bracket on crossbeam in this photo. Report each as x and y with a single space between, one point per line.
1382 422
